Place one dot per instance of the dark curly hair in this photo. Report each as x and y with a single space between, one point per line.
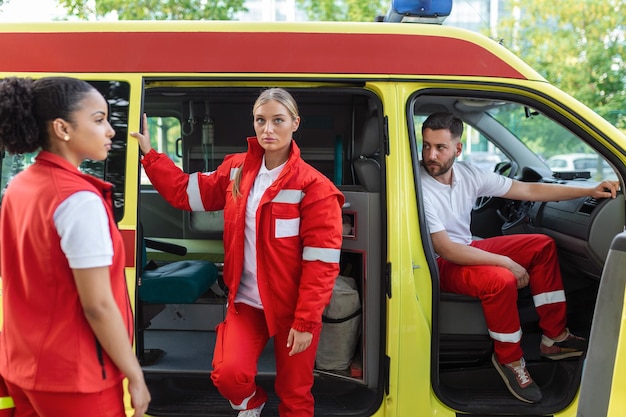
27 105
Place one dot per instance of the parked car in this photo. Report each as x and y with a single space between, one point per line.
579 162
484 160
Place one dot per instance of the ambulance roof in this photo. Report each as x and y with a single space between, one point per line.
362 49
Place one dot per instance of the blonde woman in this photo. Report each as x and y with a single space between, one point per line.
282 241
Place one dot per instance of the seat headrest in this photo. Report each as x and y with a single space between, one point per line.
369 141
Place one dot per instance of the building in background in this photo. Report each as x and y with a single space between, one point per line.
271 11
476 15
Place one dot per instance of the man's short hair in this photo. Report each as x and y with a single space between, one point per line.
442 120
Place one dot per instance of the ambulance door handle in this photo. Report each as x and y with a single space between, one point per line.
179 144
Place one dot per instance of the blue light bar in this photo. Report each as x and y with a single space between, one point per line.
419 11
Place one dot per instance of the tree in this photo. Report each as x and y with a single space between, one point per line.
577 45
343 10
154 9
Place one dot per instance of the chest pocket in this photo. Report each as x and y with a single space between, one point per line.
285 220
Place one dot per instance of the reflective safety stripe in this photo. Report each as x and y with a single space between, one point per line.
233 173
549 298
193 193
244 403
6 402
320 254
289 196
507 337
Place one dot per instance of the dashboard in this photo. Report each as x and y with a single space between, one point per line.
583 228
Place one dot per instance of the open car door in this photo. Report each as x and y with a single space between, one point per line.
602 389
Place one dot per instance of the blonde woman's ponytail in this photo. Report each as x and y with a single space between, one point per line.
236 182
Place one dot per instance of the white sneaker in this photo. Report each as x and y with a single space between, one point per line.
254 412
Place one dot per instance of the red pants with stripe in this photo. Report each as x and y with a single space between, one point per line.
241 339
29 403
496 287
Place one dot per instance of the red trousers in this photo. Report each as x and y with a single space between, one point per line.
241 338
107 403
496 287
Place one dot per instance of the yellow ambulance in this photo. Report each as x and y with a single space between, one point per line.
363 90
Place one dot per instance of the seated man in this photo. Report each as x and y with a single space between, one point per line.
494 269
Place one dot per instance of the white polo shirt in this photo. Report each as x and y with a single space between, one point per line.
248 292
449 207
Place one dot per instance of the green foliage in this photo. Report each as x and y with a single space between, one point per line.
154 9
164 133
577 45
343 10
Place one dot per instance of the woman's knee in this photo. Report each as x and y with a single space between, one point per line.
230 372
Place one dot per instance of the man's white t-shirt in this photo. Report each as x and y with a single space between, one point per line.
449 207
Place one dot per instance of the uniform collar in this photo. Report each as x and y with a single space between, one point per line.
258 151
51 159
456 179
273 173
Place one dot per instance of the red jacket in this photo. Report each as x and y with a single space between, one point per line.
295 274
46 342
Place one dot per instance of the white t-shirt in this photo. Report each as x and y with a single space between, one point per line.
248 292
83 225
449 207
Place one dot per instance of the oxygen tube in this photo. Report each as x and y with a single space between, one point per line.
208 138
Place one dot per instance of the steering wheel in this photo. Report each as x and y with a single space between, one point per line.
501 168
513 213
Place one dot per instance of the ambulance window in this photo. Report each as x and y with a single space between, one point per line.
477 148
13 165
113 169
498 130
165 136
553 143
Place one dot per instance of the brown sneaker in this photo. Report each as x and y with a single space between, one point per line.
570 347
518 380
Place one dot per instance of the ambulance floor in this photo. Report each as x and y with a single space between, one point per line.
180 381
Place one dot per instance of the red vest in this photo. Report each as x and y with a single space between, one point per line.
46 342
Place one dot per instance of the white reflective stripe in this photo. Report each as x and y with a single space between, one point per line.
549 298
507 337
320 254
193 193
289 196
244 403
233 173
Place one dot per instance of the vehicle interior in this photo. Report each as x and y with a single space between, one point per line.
519 135
340 135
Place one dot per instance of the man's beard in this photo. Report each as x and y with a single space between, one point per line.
439 169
